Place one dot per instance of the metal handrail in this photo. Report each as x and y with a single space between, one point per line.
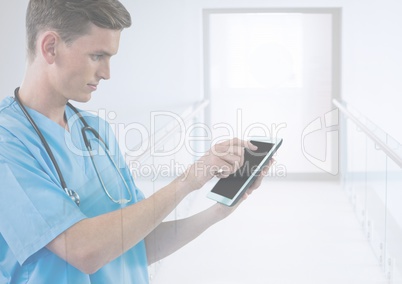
169 131
383 146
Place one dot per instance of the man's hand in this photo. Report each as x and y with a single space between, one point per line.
222 160
223 211
256 184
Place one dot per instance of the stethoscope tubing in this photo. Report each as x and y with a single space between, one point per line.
43 140
71 193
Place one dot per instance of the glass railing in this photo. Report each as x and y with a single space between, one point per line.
372 178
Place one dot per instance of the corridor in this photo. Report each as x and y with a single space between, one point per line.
285 233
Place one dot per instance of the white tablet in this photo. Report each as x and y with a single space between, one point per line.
229 190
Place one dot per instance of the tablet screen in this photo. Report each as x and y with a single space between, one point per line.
228 187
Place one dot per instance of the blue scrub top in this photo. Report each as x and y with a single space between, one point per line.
34 209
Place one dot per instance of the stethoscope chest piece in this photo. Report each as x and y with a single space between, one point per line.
73 195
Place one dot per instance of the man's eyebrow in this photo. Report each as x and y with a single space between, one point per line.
103 52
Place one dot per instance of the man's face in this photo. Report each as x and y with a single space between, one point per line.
80 66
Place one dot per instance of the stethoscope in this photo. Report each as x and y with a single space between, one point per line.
86 128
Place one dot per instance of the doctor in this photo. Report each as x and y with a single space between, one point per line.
68 217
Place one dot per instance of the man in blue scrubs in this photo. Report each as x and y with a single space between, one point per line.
44 236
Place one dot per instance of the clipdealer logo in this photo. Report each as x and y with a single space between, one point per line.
188 139
330 128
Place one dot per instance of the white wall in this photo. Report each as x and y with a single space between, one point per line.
160 60
12 45
372 62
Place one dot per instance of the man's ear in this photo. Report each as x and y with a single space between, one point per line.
48 46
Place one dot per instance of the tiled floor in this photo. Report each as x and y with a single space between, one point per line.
285 233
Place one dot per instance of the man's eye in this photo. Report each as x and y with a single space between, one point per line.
96 57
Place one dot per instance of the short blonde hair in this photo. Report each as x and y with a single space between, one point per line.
71 18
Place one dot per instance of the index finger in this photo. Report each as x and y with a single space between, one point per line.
240 142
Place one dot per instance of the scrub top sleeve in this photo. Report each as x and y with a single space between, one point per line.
33 208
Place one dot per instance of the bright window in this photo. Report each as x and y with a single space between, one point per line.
275 73
257 50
